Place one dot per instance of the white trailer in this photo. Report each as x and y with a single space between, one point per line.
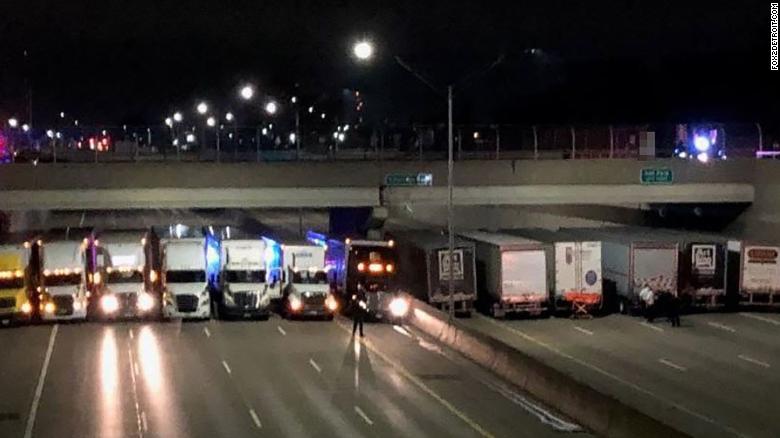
759 273
64 280
246 291
306 290
184 275
512 274
128 277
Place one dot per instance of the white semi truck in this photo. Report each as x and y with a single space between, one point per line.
186 292
128 286
246 291
64 289
306 290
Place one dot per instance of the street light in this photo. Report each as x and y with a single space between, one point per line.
211 121
25 127
202 108
13 122
229 117
271 107
363 50
247 92
169 122
177 117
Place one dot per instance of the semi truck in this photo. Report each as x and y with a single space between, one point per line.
244 278
129 282
631 260
306 290
512 274
185 284
15 283
754 272
370 264
64 289
577 279
423 259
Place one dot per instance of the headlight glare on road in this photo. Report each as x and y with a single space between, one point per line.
295 303
109 304
399 307
145 302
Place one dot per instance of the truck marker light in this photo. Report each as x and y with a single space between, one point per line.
376 267
399 306
46 272
361 266
26 308
389 268
19 273
347 241
391 243
27 245
153 276
49 307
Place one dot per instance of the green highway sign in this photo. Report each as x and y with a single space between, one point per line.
408 179
656 176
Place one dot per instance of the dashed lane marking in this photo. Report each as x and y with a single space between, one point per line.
761 318
722 326
206 332
651 326
363 416
255 419
671 364
760 363
582 330
41 379
314 365
227 367
281 330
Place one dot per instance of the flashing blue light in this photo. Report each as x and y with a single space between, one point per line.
702 144
273 259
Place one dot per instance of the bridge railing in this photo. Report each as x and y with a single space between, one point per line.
420 142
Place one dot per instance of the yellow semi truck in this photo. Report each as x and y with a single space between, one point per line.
15 287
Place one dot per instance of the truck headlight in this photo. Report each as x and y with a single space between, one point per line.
109 304
26 308
49 307
295 303
331 303
399 307
145 302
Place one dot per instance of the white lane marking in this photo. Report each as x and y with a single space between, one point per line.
144 424
255 418
227 367
545 416
136 369
139 420
612 376
722 326
363 415
130 331
314 365
419 384
281 330
402 330
207 332
761 318
582 330
83 216
760 363
671 364
651 326
41 379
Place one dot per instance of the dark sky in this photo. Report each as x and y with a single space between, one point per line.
115 61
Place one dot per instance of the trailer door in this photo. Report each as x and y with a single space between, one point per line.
523 275
565 269
589 280
655 265
760 269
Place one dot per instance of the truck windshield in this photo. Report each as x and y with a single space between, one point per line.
308 277
245 276
11 283
63 280
129 276
185 276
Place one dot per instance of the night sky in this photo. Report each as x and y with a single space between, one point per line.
134 61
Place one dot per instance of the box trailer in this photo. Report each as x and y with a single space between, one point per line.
757 266
512 273
577 274
424 269
632 259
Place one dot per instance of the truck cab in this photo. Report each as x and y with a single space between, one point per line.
306 290
127 289
186 291
15 285
64 289
244 279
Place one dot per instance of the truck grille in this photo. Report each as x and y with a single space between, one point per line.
63 303
187 303
126 301
245 299
7 302
314 300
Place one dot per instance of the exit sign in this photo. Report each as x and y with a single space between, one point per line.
408 179
656 176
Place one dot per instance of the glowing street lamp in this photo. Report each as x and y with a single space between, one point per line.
363 50
211 121
177 117
271 107
25 127
13 122
169 122
247 92
229 117
202 108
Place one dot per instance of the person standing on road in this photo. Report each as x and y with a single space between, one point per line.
673 309
359 306
648 298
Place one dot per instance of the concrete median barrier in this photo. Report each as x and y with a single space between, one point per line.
598 412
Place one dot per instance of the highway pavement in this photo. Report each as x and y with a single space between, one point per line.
714 376
252 378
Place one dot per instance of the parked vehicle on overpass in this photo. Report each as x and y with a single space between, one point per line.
244 279
185 285
64 284
16 283
306 290
757 269
370 263
128 289
512 274
423 258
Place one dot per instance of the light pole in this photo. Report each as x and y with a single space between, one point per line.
211 122
364 51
